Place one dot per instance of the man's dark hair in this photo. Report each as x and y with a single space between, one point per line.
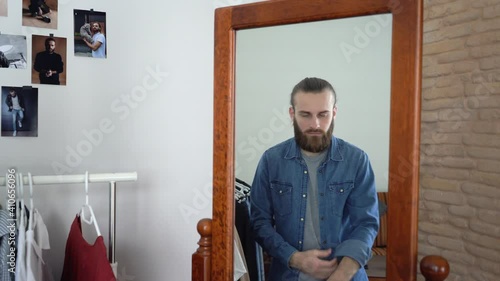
312 85
48 40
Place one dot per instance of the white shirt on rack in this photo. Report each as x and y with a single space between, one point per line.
21 274
37 240
240 268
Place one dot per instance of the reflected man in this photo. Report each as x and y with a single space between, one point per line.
313 198
49 64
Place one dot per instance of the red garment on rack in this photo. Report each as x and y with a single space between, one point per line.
85 262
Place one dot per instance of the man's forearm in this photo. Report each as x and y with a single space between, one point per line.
345 271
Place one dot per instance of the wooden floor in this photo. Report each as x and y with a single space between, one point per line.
28 20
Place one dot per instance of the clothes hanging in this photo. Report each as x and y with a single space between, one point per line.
252 251
21 273
83 261
6 226
240 265
37 240
241 190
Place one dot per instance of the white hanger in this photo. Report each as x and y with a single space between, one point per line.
20 213
7 194
82 213
21 188
31 219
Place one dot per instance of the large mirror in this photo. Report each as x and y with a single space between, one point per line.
354 54
250 44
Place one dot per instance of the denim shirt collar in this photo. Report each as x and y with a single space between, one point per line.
335 152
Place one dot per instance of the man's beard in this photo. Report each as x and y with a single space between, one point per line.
313 143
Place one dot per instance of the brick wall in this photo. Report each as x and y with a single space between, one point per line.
459 213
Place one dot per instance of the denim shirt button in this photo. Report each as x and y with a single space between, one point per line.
341 190
304 195
300 242
305 172
301 219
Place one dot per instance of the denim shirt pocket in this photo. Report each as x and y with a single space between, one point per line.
282 197
338 193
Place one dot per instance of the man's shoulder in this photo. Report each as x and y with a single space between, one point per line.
345 146
281 147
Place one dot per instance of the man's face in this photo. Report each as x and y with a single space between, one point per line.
95 27
13 93
313 120
50 46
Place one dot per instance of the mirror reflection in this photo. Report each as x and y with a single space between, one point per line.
352 54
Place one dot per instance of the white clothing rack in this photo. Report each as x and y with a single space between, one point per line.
111 178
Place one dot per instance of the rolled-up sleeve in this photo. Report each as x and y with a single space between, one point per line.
362 213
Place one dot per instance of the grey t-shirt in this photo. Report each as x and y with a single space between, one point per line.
311 227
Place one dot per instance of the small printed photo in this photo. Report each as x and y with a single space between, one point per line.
90 34
49 60
40 13
19 111
3 8
13 49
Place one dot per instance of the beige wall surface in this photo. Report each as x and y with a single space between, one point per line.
459 216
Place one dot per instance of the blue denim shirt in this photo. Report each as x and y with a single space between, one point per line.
347 202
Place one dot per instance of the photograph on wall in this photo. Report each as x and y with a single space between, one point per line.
19 111
40 13
13 49
49 60
90 33
3 8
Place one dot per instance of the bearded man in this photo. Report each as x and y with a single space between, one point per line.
313 199
49 64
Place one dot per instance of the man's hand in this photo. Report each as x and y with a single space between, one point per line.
313 263
345 271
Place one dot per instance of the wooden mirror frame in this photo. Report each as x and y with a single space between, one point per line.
404 140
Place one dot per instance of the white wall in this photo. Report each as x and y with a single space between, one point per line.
166 137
